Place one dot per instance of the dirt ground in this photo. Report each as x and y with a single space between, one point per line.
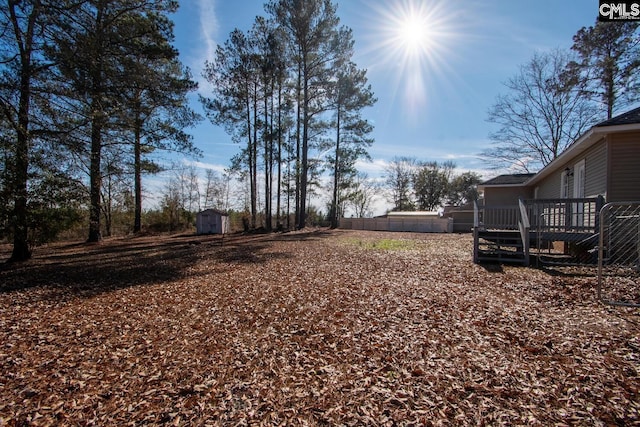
308 328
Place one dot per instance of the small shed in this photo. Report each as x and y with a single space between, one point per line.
212 221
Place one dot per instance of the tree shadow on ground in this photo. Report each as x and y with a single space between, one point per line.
84 270
89 270
249 248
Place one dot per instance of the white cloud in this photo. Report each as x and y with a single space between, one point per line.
203 165
374 168
208 25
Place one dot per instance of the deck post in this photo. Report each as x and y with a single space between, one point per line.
600 202
476 225
524 226
476 242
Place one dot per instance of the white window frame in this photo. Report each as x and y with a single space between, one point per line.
579 179
579 184
564 185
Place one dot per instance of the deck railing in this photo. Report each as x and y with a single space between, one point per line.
543 215
551 219
565 215
496 217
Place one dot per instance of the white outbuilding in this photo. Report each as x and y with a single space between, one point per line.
212 221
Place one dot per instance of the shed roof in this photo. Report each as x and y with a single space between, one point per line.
211 210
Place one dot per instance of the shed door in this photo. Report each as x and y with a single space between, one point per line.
204 219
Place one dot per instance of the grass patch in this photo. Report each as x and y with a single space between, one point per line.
383 244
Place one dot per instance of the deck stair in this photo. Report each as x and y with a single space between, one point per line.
502 246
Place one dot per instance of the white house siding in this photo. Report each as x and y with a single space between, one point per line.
595 174
506 196
596 170
550 187
624 176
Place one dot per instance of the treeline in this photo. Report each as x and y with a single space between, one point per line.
289 92
90 90
418 185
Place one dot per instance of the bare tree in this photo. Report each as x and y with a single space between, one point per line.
542 114
363 195
398 176
217 187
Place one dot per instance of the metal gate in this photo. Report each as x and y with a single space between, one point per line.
619 254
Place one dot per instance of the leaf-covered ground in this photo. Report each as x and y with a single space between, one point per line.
314 328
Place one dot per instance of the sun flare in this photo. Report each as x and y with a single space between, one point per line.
413 34
413 29
416 40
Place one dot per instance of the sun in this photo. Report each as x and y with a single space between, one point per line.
415 40
414 28
413 35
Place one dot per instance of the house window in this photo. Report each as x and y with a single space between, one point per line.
564 185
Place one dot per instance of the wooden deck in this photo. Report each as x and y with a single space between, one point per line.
509 233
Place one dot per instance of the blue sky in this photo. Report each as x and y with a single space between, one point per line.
433 90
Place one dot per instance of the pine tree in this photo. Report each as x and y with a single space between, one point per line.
609 61
95 43
350 96
23 41
309 26
234 77
156 110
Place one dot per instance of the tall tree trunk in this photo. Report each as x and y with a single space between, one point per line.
21 250
95 177
137 166
106 207
298 142
267 191
278 207
271 134
336 169
250 144
97 124
305 149
611 97
254 159
289 195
